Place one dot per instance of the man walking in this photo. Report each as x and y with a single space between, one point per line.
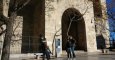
72 45
46 50
68 49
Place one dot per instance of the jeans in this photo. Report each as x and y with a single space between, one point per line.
69 55
72 50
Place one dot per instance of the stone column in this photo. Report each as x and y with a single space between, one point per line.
50 23
90 29
6 7
106 23
16 42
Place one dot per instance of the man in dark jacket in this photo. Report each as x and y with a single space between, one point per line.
68 48
45 49
72 45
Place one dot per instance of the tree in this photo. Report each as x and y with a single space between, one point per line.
14 7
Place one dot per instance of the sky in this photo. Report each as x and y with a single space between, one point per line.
111 8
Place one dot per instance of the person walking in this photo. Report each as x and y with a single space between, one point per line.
41 42
46 51
72 46
45 48
68 49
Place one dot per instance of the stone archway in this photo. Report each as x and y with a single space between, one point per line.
33 26
77 28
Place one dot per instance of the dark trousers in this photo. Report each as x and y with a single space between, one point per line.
72 50
69 55
46 54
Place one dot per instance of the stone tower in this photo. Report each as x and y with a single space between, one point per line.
101 23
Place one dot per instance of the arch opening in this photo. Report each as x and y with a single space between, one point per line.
33 26
73 20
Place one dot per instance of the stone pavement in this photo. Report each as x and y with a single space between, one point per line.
79 56
91 56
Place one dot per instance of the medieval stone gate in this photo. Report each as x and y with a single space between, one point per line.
51 18
48 16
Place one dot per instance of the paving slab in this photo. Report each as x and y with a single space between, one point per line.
79 56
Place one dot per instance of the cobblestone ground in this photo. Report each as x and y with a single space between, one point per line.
79 56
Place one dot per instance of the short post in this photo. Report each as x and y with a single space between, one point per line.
102 49
36 57
106 51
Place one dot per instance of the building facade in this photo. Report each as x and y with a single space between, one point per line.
52 18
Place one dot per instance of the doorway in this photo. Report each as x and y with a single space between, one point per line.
73 24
